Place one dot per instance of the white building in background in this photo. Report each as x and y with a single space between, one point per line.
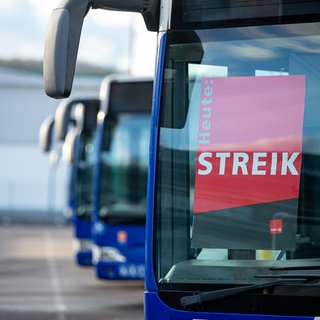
27 182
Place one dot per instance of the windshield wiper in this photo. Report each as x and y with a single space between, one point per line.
218 294
300 276
307 267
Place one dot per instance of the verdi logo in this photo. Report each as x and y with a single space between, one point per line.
249 141
276 226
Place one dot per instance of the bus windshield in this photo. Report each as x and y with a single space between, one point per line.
85 168
237 180
124 168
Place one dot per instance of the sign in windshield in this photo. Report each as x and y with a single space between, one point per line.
248 161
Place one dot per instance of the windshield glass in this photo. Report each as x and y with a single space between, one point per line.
124 169
85 169
238 169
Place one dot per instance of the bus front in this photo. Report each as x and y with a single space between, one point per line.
233 227
118 231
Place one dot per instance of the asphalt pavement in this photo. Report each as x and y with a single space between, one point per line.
40 281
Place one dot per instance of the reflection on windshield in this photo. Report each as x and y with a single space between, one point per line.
84 185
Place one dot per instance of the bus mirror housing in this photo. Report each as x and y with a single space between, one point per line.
63 37
69 146
88 108
46 134
61 46
63 118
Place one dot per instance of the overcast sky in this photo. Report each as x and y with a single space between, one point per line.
104 41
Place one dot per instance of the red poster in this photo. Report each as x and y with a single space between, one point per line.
249 141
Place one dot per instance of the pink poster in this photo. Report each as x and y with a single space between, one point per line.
249 141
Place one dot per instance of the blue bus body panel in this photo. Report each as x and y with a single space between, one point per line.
120 236
150 282
82 231
84 258
82 228
155 309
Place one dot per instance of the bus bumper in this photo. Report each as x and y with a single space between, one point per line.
120 270
83 252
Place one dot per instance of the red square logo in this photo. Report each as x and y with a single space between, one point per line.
122 236
276 226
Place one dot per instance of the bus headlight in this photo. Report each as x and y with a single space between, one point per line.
96 254
85 245
107 254
82 245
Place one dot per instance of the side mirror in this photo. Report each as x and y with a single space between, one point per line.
71 146
87 113
46 134
62 118
61 46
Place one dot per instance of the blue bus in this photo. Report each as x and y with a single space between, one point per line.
75 125
233 212
120 182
